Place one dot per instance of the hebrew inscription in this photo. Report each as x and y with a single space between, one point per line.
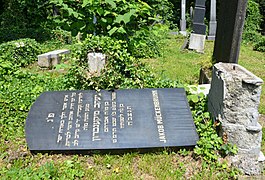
120 119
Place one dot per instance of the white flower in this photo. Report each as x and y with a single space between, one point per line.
22 44
17 44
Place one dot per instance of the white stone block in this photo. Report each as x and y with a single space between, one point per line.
96 62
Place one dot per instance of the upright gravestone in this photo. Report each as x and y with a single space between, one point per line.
83 121
198 25
229 30
197 37
213 22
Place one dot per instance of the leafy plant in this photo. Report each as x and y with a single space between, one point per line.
19 53
17 93
260 45
122 70
210 146
106 17
147 43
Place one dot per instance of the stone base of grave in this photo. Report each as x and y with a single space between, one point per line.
233 100
211 38
52 58
96 62
197 42
212 30
249 164
183 33
48 62
183 27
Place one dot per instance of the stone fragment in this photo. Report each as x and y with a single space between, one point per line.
233 100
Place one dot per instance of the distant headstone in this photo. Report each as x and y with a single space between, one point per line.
229 30
197 42
197 37
198 25
84 121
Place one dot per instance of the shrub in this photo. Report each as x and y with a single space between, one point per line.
252 23
147 43
260 45
14 33
253 16
122 70
20 53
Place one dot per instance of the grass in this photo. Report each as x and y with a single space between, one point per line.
184 65
255 62
16 162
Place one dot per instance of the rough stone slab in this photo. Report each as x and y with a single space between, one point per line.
235 94
247 141
233 100
248 164
83 121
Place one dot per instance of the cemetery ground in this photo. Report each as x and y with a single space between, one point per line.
23 87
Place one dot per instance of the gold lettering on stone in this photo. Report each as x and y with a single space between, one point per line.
129 116
158 117
96 126
50 117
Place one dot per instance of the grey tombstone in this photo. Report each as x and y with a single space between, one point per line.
183 18
110 121
213 22
197 37
229 30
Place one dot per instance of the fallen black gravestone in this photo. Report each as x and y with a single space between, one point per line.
87 121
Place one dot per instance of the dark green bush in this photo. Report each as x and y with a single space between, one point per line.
253 17
252 26
14 33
